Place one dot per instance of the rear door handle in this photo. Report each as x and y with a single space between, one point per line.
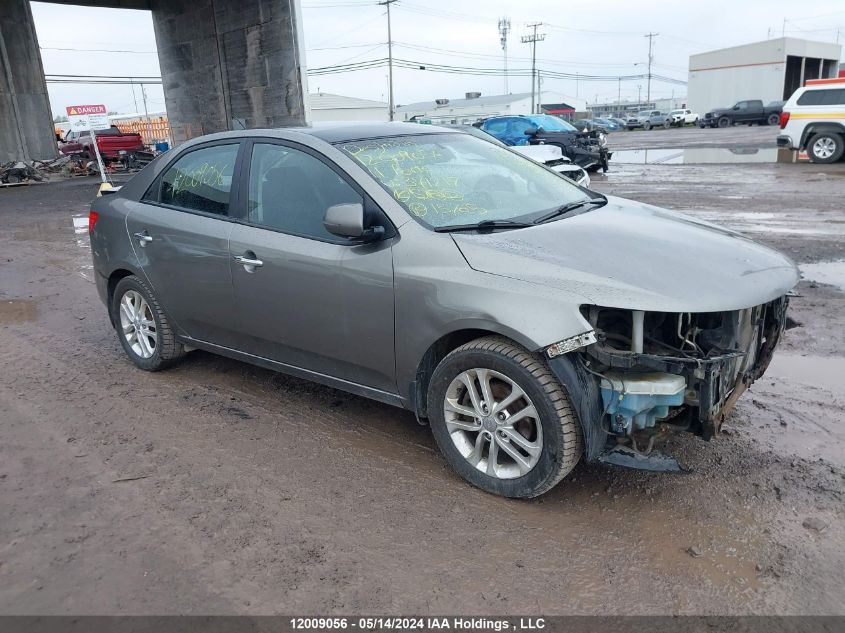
143 237
250 263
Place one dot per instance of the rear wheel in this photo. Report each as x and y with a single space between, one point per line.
667 124
502 420
774 119
723 122
142 327
825 147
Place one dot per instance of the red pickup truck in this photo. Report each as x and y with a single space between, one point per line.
110 142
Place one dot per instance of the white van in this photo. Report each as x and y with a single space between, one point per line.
813 119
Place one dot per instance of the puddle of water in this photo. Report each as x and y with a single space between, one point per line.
695 155
810 370
832 273
17 311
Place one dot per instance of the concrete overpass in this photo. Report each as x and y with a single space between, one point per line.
225 64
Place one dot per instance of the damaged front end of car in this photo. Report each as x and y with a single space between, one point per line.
652 372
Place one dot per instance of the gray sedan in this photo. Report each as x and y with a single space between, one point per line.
529 321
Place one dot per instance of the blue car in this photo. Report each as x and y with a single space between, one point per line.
585 149
609 125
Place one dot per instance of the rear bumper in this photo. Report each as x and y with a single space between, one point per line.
784 140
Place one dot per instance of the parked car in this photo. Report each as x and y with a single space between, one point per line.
748 112
622 123
608 124
590 125
683 117
648 119
813 119
529 322
110 142
549 155
585 149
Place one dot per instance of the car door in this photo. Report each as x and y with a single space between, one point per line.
180 234
71 143
307 298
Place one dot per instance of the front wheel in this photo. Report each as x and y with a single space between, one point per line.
723 122
502 420
825 147
142 327
647 125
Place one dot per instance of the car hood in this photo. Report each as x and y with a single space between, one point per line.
636 256
540 153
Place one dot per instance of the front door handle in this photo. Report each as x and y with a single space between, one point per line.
249 263
143 237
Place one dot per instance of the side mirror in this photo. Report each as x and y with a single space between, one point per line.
531 131
347 220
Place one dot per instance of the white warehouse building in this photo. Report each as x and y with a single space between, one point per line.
770 70
329 107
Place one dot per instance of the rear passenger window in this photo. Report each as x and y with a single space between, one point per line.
201 180
822 97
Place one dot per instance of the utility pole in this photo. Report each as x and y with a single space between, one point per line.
504 29
146 113
533 39
650 37
619 92
639 95
390 108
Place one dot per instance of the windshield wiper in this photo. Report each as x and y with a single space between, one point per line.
485 225
565 209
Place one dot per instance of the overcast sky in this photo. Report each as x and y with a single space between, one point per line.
597 38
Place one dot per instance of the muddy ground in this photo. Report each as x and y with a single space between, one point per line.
217 487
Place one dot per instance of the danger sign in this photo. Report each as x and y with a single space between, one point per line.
88 117
80 110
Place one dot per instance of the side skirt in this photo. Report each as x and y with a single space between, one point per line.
336 383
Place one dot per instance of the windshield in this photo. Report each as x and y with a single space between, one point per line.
550 123
454 179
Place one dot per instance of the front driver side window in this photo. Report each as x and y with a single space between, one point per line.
290 190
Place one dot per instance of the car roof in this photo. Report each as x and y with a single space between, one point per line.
339 132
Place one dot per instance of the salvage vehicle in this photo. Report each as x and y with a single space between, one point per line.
549 155
528 321
683 116
112 143
813 119
586 149
748 112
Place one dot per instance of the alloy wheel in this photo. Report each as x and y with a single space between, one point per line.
137 324
493 423
824 147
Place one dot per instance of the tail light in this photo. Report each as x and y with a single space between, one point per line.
93 216
784 119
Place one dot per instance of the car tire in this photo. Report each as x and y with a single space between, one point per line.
826 147
723 121
696 121
142 326
547 445
647 125
774 119
667 124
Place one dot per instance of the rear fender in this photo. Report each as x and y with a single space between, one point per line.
816 128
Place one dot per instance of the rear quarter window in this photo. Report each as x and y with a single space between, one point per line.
822 97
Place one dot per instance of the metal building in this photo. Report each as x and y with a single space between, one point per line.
770 70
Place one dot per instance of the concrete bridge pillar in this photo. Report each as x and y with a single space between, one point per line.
230 64
26 123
